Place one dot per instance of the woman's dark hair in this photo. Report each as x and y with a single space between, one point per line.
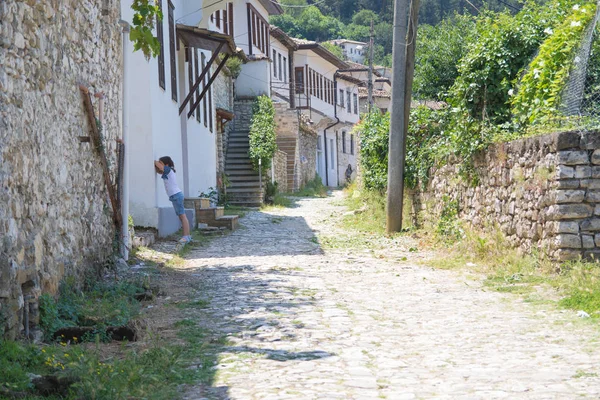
168 162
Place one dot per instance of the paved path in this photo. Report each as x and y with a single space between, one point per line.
304 323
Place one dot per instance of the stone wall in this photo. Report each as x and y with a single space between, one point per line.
54 215
307 145
223 95
542 192
280 169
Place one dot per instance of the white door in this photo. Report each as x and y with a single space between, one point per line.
320 159
332 162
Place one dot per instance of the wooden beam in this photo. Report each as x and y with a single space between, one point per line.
209 84
200 79
97 142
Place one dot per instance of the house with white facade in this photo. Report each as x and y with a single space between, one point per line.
352 50
170 111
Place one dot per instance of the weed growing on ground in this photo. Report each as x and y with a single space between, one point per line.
236 210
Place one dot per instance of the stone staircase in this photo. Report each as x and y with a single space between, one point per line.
244 188
288 146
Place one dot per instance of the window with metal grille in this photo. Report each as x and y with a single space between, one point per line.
352 144
161 55
344 142
274 63
172 53
341 97
285 68
355 97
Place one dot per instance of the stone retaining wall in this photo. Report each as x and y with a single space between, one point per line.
543 193
280 167
54 215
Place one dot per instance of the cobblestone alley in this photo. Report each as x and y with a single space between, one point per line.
308 323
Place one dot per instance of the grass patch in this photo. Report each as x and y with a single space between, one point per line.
510 271
102 304
368 212
314 188
236 210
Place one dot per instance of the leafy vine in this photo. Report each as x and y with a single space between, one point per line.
145 14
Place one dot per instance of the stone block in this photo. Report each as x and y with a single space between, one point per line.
597 209
596 172
565 172
593 196
567 241
592 255
569 196
590 225
593 183
578 157
567 140
582 172
590 140
568 184
597 239
587 241
570 211
571 227
596 157
567 255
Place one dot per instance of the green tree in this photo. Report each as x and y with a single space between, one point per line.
439 51
336 50
262 133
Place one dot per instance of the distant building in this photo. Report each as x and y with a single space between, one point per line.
351 49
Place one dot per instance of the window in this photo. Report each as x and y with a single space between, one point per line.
196 76
258 31
352 144
172 52
355 97
161 55
210 115
344 142
348 102
332 153
230 15
285 69
279 67
342 98
218 16
188 56
299 71
204 86
274 63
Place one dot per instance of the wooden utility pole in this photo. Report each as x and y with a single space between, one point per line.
370 97
401 98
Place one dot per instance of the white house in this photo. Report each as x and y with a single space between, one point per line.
353 51
329 97
167 118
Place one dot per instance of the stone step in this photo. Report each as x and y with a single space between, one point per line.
233 170
238 151
248 185
243 190
238 145
243 178
238 160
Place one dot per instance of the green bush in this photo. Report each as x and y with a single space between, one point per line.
374 131
262 133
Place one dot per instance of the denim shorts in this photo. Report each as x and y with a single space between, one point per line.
177 200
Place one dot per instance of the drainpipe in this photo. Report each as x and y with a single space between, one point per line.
331 126
125 245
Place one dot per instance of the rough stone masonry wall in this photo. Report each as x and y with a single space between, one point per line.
280 169
308 155
223 94
542 192
54 214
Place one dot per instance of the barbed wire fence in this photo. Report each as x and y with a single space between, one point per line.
581 96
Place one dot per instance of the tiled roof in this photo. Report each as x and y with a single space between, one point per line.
363 93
